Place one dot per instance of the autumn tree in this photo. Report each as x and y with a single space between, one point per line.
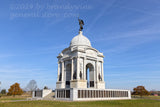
15 90
140 90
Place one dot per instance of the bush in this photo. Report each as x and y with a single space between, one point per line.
3 91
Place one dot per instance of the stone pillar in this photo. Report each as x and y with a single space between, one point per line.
95 75
102 72
72 69
84 69
129 94
58 71
64 93
77 68
97 71
33 94
63 71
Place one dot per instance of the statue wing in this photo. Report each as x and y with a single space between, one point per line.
82 22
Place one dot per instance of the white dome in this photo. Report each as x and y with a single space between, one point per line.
80 40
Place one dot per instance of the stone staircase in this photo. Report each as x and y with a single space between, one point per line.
50 96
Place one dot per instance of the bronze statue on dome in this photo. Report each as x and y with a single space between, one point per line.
81 23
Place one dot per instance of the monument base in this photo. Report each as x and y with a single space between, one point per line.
75 94
60 84
100 85
78 83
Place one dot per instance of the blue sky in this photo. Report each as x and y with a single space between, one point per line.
34 32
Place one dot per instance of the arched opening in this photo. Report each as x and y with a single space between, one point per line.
90 75
68 75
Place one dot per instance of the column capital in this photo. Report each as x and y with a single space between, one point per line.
99 61
61 61
72 58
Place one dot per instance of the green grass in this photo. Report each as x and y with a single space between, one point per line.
114 103
4 99
8 98
153 97
147 97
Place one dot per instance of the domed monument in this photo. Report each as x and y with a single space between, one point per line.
75 61
80 73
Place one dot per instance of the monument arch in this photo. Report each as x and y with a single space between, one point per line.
68 75
90 75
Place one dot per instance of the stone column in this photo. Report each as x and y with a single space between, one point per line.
84 68
63 71
77 68
95 75
58 72
33 94
102 72
72 69
97 71
129 94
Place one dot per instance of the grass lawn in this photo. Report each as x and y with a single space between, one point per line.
111 103
153 97
8 98
4 99
147 97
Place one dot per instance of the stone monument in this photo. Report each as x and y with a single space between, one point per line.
80 73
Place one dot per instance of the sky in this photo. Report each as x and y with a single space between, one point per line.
34 32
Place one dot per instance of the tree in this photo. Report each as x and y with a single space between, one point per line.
140 90
15 90
3 91
31 86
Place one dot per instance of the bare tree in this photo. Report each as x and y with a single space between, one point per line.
31 86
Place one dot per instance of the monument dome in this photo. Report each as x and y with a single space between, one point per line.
80 40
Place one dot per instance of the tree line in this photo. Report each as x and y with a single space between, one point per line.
15 89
